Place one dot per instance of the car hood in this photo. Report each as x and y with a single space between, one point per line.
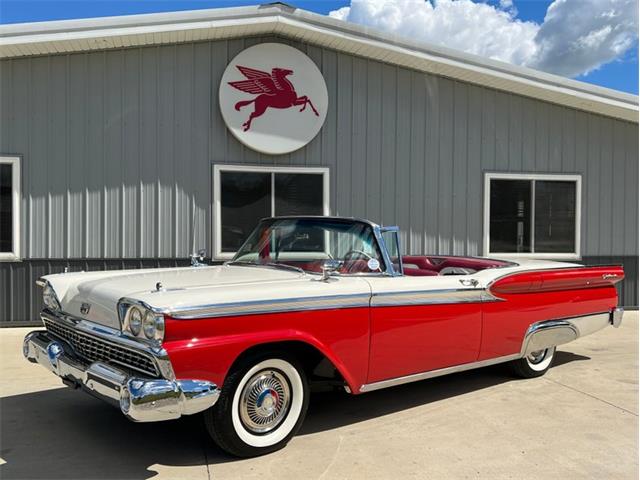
179 287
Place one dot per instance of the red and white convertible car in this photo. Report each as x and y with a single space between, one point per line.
306 299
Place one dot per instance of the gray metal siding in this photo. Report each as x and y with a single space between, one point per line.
118 148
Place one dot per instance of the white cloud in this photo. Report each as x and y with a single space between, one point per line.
577 36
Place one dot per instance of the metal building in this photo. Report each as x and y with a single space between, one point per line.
114 153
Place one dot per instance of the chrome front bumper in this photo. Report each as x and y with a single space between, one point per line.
140 399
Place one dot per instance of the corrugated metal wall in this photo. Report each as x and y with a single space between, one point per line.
118 150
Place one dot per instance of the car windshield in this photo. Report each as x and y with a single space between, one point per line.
307 243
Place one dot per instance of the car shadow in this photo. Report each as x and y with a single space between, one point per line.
61 433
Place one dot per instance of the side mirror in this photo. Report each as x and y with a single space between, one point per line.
197 259
329 268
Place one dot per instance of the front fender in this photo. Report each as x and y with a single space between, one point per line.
207 348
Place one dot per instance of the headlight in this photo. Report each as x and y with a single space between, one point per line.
50 298
142 322
135 320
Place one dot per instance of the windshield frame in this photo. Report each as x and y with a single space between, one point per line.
387 266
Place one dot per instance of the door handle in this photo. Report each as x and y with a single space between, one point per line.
469 282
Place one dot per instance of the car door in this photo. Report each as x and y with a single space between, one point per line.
422 323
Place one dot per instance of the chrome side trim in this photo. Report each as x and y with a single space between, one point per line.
110 335
272 306
469 295
392 382
391 299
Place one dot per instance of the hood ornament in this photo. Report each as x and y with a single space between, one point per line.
159 287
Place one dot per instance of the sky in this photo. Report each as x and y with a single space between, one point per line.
594 41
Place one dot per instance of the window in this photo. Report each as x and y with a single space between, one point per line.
244 195
532 215
9 208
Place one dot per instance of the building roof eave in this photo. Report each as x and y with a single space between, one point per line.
69 36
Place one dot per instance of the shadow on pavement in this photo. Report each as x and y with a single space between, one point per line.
62 433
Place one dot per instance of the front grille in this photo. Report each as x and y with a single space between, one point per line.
94 349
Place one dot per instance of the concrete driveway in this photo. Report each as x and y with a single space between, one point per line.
578 421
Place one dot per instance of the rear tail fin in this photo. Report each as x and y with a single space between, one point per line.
553 280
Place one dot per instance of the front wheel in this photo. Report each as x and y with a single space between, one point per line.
534 364
262 405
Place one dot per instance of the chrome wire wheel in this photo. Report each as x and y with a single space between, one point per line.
264 401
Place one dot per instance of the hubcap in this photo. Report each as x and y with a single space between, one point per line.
265 401
537 357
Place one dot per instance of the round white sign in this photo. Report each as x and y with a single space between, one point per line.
273 98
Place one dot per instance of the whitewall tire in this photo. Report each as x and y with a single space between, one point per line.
535 364
262 405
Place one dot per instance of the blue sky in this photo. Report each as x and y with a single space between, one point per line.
620 74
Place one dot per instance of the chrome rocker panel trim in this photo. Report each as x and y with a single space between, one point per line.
141 399
540 335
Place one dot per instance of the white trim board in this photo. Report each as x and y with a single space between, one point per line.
15 162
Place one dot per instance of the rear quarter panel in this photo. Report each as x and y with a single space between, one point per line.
529 297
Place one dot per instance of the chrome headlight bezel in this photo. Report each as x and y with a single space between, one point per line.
50 298
151 328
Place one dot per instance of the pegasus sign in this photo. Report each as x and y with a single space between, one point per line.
264 95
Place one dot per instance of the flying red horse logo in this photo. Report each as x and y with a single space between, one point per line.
273 90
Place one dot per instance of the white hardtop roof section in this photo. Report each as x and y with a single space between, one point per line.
68 36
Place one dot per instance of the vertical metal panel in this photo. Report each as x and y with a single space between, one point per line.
474 189
630 205
358 162
402 155
416 168
374 135
94 167
460 162
77 134
388 190
118 148
445 166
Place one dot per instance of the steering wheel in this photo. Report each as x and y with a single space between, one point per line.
350 253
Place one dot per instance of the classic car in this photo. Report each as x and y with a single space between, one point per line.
306 300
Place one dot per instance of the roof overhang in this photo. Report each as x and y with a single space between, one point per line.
69 36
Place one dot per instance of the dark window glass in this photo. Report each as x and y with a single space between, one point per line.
6 208
245 198
298 194
555 217
510 216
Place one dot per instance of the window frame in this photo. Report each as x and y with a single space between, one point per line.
560 177
217 205
15 162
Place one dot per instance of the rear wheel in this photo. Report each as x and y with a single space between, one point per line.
262 405
535 364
